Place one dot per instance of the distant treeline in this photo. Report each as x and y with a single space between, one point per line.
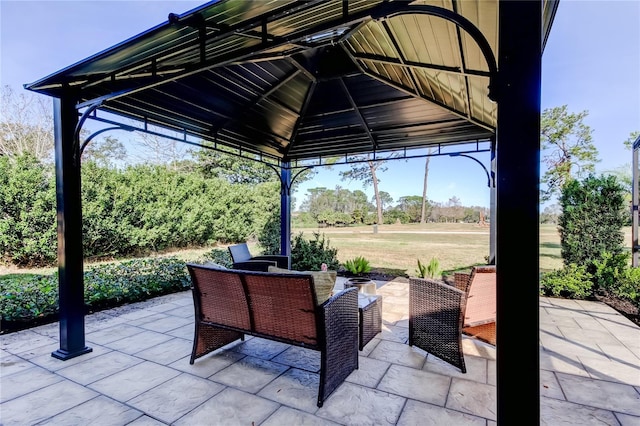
342 207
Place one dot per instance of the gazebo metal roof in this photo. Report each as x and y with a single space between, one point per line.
289 82
292 80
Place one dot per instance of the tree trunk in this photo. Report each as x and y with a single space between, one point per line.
423 210
376 193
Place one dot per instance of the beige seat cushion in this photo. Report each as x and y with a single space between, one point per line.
324 281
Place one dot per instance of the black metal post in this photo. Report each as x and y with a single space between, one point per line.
518 173
285 209
492 205
69 216
635 199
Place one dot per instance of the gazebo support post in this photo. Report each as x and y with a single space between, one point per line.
69 216
492 205
517 249
635 199
285 209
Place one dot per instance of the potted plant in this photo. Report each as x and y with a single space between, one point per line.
357 267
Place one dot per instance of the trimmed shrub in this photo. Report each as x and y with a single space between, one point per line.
593 214
28 299
608 270
629 286
27 211
572 282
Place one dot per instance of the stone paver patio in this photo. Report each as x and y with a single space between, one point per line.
139 374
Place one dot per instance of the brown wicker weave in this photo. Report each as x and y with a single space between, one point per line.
370 311
436 311
282 307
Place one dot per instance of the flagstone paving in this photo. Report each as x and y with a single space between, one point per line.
139 373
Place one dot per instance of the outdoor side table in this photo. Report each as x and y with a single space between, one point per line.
370 313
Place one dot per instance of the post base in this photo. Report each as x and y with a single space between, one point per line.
65 355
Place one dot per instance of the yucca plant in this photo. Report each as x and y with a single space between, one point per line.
430 270
358 265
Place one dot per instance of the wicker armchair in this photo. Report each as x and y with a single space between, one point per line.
242 259
439 313
436 313
480 315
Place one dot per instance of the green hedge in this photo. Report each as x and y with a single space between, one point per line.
131 212
28 299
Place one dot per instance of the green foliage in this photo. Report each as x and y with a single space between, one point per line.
269 237
593 214
430 270
337 206
608 270
309 255
134 280
573 282
126 212
219 256
629 286
358 265
26 298
568 148
27 211
394 215
234 169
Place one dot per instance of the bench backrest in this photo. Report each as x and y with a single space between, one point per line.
283 305
272 304
220 296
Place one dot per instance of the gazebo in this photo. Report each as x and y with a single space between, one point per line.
292 84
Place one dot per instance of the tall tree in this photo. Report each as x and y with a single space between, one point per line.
568 148
26 125
366 172
423 209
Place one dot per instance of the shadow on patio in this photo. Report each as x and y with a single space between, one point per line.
139 373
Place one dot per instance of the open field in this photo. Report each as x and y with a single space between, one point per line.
455 245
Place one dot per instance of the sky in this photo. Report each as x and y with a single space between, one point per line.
591 62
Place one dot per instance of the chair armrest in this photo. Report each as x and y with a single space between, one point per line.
338 340
341 316
282 261
254 265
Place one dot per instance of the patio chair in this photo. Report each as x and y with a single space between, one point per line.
242 259
436 313
439 313
480 315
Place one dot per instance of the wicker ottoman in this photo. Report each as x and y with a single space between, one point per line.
370 310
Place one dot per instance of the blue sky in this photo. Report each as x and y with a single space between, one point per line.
591 62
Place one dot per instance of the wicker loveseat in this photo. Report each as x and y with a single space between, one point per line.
277 306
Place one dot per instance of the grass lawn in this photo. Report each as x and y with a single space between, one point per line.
455 245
